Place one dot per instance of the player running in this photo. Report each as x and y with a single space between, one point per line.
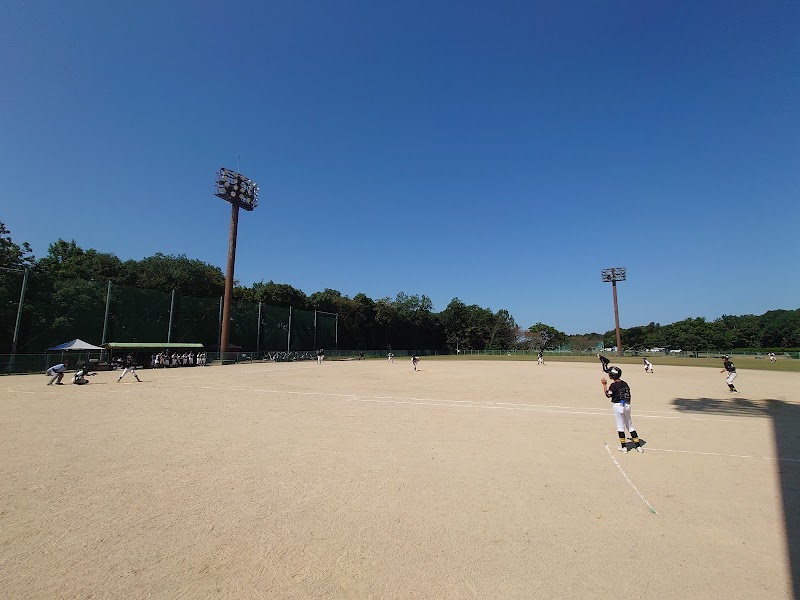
731 369
603 362
414 361
620 394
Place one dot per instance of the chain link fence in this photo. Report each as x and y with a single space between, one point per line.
39 312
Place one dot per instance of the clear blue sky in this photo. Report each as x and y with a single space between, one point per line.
501 152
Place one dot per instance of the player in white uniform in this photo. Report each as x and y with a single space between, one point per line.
414 361
540 360
648 366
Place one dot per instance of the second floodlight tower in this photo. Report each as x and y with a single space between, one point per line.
241 192
615 274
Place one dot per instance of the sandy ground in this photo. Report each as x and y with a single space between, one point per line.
368 480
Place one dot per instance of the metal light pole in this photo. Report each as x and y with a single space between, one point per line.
615 274
240 192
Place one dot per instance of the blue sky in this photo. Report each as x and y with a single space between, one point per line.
502 153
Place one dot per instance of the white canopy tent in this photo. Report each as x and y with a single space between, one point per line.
75 344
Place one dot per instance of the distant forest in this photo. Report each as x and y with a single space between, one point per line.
406 321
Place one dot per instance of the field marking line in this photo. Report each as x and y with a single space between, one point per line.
628 479
478 404
638 411
793 460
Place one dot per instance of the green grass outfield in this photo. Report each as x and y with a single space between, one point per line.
741 362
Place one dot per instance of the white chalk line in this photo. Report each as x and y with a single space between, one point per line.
777 459
549 408
510 406
628 479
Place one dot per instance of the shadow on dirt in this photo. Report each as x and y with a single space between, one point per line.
785 418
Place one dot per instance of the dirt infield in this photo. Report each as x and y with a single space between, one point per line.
368 480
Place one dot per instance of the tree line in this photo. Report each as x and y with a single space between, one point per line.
407 321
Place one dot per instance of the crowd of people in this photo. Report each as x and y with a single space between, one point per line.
184 359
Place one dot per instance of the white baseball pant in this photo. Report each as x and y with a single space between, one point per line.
622 415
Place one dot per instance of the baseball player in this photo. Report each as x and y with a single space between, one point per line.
731 370
540 360
648 366
130 367
620 394
414 361
603 362
56 372
81 374
391 358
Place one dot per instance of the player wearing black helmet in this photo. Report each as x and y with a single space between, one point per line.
620 394
603 362
728 366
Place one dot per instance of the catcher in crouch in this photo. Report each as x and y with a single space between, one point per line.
620 394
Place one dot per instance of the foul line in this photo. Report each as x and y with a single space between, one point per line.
625 475
793 460
551 408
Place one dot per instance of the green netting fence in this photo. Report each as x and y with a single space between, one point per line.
39 312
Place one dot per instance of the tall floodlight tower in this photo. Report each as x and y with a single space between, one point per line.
615 274
240 192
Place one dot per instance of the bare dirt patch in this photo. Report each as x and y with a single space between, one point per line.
367 480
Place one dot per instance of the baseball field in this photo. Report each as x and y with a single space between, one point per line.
466 479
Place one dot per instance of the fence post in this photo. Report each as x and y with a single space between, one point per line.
289 332
258 332
171 308
315 329
336 339
219 330
108 307
19 320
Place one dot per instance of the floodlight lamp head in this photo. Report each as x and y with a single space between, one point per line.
236 188
613 274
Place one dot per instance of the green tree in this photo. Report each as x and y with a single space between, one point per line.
279 294
634 338
327 300
68 260
584 342
504 331
187 276
780 329
363 322
546 337
386 323
453 319
689 334
13 255
17 258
